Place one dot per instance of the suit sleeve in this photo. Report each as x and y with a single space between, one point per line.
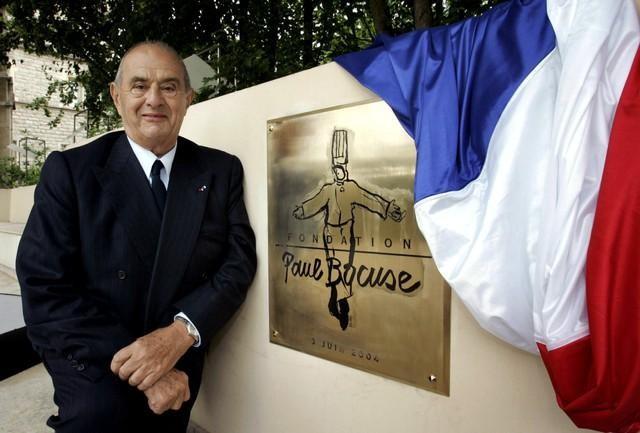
61 318
212 304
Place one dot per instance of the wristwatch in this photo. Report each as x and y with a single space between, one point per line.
191 330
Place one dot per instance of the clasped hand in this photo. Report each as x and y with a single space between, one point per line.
148 363
169 392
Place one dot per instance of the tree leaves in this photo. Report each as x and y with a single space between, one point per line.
246 42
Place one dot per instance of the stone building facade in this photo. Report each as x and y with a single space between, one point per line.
31 75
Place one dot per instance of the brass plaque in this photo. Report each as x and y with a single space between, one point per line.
351 278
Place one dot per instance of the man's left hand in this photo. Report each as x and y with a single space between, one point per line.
150 357
170 392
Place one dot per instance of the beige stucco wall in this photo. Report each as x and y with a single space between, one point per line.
253 386
15 204
21 203
5 204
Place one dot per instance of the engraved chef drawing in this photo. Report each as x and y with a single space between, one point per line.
336 202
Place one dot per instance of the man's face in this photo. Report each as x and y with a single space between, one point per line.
151 97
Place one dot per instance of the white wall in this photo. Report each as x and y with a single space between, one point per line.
253 386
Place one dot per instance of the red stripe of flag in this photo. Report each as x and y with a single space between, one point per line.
597 379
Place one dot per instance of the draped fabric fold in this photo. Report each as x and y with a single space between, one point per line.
512 112
600 387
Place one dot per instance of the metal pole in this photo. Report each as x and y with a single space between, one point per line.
26 154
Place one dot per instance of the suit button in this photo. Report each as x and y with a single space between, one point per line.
122 275
80 367
69 357
74 363
204 275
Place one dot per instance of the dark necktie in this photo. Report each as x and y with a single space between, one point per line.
159 191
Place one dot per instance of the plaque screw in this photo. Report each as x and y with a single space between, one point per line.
270 128
275 334
433 378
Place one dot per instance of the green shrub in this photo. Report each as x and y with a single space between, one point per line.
13 175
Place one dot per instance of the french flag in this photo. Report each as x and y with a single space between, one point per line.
527 126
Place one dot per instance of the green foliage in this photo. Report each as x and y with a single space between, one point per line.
260 41
13 175
246 42
457 10
96 34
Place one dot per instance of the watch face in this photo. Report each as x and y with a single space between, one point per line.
192 332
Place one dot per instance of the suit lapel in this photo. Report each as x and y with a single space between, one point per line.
127 188
189 186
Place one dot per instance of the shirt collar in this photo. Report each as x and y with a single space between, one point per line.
146 158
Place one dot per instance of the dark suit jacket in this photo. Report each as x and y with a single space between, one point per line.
98 267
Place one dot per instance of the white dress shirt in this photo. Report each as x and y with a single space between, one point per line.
146 158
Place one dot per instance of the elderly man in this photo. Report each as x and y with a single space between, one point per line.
137 251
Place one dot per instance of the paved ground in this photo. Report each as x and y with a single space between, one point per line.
8 283
26 400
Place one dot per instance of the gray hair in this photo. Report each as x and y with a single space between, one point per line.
168 48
